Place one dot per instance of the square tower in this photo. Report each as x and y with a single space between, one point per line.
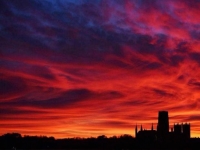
163 124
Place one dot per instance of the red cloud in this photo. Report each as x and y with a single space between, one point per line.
88 69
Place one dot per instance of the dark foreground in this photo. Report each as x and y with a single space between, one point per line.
125 142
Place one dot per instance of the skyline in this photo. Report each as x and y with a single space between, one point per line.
87 68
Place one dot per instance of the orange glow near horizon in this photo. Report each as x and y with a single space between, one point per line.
84 69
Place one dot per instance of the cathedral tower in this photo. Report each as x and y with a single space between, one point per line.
163 124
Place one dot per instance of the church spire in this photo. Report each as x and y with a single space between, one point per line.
136 130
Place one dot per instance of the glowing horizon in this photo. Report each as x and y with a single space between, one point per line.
87 68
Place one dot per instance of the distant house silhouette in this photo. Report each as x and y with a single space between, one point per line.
178 132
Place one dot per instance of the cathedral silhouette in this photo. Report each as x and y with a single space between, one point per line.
178 132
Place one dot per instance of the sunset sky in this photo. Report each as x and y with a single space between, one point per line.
83 68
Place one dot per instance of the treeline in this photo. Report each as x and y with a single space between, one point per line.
16 141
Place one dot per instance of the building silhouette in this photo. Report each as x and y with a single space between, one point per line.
178 132
163 125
